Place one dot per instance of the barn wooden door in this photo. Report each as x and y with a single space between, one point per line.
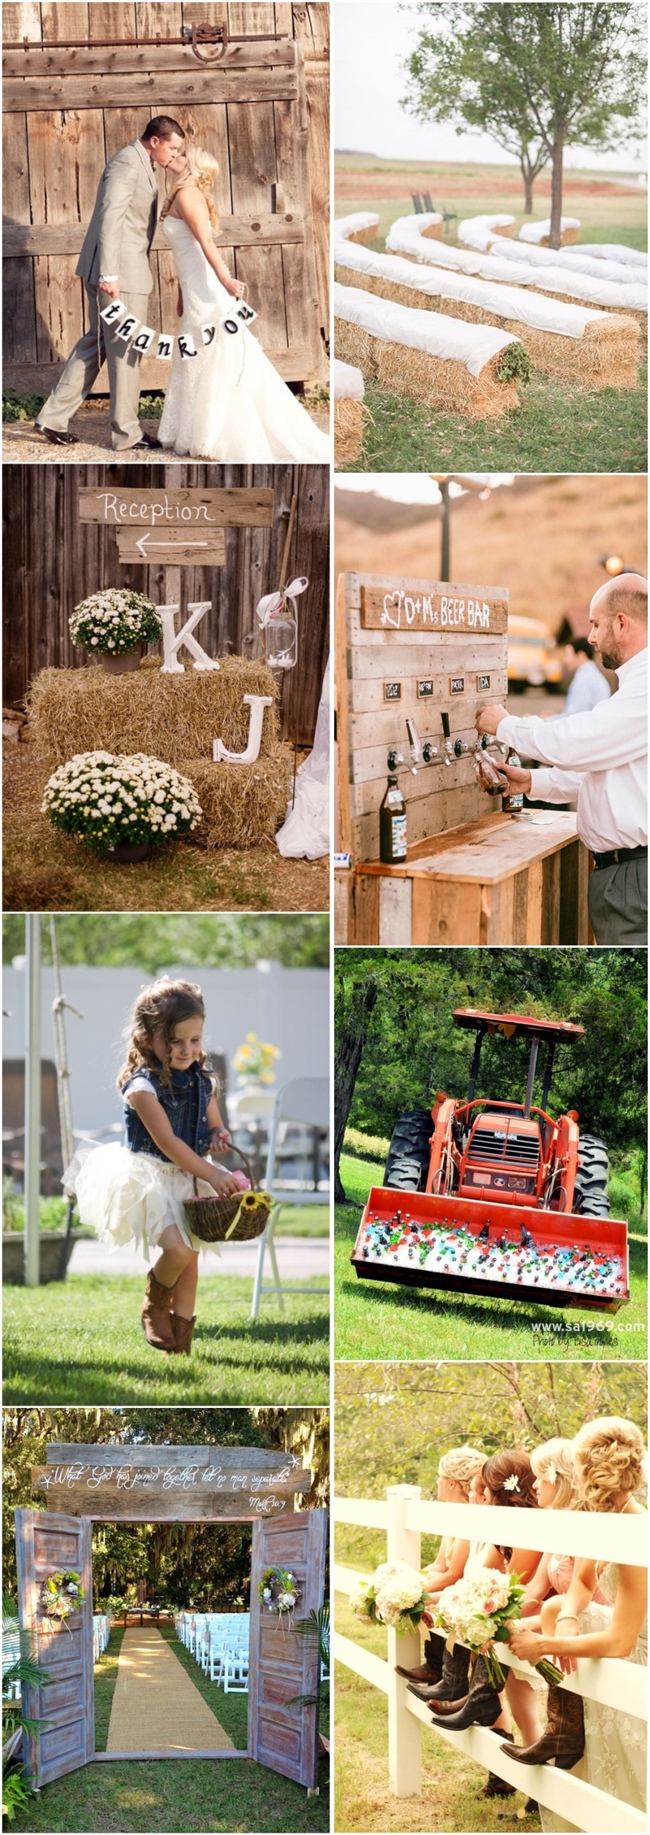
282 1662
69 106
65 1704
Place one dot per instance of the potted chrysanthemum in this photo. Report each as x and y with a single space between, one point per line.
120 806
115 624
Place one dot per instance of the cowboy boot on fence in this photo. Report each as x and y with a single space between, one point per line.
431 1669
564 1739
183 1330
481 1708
156 1314
453 1687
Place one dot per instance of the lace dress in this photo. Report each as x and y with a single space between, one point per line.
614 1758
228 402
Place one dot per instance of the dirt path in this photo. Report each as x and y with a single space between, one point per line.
22 444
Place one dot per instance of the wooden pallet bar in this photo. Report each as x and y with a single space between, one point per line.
413 649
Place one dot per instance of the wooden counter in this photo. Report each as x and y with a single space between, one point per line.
499 880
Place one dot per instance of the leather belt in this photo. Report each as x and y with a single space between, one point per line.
618 854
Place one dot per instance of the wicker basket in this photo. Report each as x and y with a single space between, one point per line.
236 1219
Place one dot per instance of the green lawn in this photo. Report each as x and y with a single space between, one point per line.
556 428
175 1796
82 1342
374 1319
449 1799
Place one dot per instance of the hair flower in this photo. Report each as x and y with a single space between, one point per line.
511 1483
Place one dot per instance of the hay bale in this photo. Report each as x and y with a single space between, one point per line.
241 804
603 356
479 232
360 226
172 717
539 233
399 346
348 430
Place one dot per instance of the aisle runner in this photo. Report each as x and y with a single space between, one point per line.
156 1707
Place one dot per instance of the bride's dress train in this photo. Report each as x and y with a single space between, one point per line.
227 403
615 1743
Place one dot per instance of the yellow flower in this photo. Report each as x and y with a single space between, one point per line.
251 1038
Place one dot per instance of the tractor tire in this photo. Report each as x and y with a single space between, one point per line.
409 1152
590 1194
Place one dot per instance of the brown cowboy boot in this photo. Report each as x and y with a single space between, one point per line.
182 1330
454 1682
564 1739
156 1314
431 1669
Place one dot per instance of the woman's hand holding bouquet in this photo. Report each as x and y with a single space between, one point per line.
480 1612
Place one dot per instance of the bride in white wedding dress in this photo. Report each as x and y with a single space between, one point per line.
227 402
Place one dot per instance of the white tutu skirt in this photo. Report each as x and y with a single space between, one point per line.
132 1197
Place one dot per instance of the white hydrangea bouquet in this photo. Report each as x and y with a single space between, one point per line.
393 1596
116 620
107 801
478 1612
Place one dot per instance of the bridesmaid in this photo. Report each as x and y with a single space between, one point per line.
603 1745
456 1471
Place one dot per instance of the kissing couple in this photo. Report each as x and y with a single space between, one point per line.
227 401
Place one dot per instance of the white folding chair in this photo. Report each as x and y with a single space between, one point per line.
305 1101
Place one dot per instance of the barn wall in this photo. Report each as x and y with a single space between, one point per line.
54 156
52 561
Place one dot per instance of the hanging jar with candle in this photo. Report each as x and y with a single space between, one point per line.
278 618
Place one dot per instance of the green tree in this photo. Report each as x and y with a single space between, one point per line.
538 77
153 942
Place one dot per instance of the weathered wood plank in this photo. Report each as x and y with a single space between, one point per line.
254 1458
39 377
281 1736
86 60
228 508
67 238
143 91
171 548
467 611
201 1505
102 1482
21 21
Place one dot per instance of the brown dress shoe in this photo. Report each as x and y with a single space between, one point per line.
183 1330
156 1314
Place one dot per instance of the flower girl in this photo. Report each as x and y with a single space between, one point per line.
136 1192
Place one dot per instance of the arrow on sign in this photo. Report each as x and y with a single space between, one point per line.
146 542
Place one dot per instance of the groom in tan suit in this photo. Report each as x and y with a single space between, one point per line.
114 262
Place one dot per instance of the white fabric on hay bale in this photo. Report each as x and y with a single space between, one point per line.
548 272
431 332
572 259
518 265
617 251
362 223
505 302
348 381
537 232
479 232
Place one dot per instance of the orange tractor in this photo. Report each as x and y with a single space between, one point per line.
497 1197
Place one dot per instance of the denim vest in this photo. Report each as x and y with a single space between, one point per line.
185 1102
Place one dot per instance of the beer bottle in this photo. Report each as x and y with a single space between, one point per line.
512 800
392 823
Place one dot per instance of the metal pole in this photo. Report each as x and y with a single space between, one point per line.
532 1066
445 564
32 1100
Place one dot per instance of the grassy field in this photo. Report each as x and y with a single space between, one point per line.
174 1797
451 1783
556 428
82 1342
374 1319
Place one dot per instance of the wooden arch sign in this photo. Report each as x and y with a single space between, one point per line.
156 1484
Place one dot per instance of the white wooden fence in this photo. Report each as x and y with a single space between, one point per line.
405 1516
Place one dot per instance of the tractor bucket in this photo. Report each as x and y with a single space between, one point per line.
467 1245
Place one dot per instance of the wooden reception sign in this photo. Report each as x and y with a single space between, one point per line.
166 1483
461 611
182 510
172 547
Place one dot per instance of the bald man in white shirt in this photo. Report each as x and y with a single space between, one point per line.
600 759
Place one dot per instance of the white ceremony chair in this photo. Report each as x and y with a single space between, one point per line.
306 1101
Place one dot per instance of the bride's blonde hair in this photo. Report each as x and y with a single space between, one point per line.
203 174
461 1463
608 1457
554 1460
